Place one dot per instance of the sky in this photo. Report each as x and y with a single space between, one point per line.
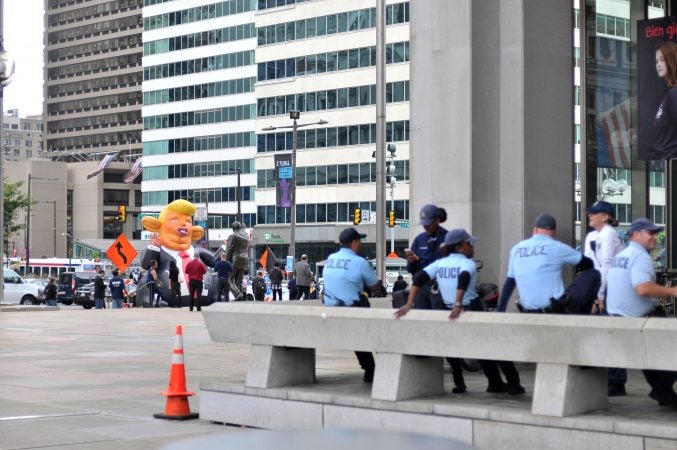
23 28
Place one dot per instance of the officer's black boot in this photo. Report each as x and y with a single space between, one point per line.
457 375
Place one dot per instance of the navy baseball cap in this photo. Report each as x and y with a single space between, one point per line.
457 236
349 235
428 214
602 207
643 224
546 222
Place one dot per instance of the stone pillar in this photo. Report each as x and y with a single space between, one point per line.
492 118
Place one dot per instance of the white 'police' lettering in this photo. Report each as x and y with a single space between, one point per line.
526 252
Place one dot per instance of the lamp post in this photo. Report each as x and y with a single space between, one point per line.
70 249
28 219
6 75
294 115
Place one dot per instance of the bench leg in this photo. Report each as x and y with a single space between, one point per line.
402 377
271 367
561 390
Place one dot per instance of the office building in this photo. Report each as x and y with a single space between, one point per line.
93 74
21 137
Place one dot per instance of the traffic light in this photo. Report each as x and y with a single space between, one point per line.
391 218
122 213
357 216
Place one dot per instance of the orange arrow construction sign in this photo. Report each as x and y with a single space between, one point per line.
121 253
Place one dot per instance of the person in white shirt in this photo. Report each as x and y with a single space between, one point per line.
601 246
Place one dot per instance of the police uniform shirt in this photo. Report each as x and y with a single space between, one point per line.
345 275
536 265
607 244
446 272
630 268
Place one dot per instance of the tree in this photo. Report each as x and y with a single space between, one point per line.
15 201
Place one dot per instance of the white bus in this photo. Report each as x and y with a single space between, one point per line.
52 267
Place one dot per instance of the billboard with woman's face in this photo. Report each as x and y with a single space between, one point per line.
657 89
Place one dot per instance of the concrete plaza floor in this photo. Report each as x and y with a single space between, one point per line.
91 379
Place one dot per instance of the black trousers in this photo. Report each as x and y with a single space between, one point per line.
660 380
277 294
224 289
303 291
366 359
489 367
195 293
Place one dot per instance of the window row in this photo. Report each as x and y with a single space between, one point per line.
361 19
218 195
206 169
105 101
94 141
330 62
331 99
105 45
332 174
614 26
198 13
324 212
205 90
90 11
331 137
114 197
265 4
221 141
208 64
228 114
193 40
224 220
155 2
17 143
87 122
97 28
95 84
95 66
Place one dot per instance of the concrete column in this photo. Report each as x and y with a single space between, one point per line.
403 377
492 118
561 390
271 366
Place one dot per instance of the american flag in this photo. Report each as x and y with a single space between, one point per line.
134 172
105 162
616 125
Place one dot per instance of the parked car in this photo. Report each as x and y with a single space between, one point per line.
40 283
17 291
74 289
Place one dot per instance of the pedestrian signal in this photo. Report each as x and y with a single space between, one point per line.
391 218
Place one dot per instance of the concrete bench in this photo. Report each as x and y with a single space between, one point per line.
283 340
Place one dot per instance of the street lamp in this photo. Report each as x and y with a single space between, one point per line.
70 248
294 115
28 219
6 75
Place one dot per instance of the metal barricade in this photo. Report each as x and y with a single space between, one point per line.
144 293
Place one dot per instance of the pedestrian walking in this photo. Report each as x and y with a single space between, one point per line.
195 271
223 270
154 284
118 290
99 290
400 284
304 278
175 284
276 277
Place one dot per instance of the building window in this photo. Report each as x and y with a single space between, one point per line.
115 197
657 213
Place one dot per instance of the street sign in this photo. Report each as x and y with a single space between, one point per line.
121 253
404 224
201 213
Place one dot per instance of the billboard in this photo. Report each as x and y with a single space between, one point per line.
284 179
657 88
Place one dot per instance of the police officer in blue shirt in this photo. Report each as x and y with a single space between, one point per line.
632 292
346 274
535 267
456 275
425 248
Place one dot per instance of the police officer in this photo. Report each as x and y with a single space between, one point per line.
535 267
631 292
456 275
346 273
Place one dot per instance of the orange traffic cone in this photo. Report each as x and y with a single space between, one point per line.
177 407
